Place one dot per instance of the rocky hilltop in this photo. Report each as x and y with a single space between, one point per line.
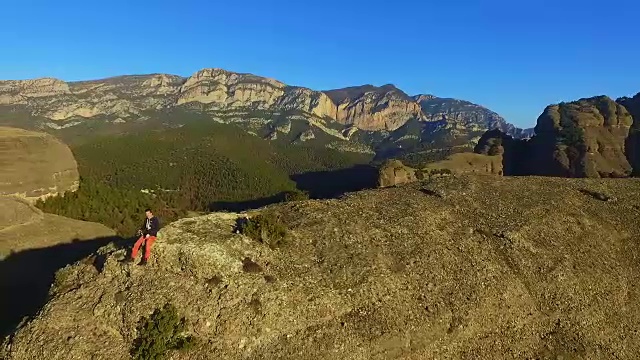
457 268
364 115
35 165
591 137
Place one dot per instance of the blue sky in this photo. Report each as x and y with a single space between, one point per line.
514 57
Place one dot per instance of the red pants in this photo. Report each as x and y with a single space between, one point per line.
147 246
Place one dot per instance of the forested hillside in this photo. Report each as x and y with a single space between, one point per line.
200 167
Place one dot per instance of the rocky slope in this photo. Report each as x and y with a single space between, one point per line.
261 105
33 245
460 268
592 137
24 227
34 164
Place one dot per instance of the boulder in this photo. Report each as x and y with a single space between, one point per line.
394 172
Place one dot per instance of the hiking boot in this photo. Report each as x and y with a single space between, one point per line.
127 260
143 262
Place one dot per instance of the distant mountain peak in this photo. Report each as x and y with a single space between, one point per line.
338 96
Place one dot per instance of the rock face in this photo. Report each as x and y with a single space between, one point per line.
584 138
394 172
595 137
374 108
35 165
514 152
461 267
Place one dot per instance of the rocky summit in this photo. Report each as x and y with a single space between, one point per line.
366 116
463 267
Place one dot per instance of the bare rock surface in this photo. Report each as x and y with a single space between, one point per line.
35 165
457 268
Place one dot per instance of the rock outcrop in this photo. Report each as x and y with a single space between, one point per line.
35 165
394 172
632 144
582 139
594 137
460 267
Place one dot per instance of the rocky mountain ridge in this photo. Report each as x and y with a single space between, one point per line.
261 105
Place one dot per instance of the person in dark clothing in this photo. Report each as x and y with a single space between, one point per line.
148 233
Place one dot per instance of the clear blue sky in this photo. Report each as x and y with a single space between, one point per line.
514 57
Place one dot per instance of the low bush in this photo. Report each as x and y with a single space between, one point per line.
296 195
265 228
160 333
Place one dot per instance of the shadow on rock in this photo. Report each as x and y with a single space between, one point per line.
26 276
330 184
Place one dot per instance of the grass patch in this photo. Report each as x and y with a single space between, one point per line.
159 334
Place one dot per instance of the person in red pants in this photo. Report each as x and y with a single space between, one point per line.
148 233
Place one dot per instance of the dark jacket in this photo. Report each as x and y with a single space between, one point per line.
150 226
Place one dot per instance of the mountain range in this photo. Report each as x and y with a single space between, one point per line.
371 119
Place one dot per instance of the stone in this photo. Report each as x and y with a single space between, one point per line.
394 172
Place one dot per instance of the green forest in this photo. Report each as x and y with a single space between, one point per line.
198 167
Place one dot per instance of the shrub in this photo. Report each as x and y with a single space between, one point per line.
296 195
60 280
265 228
570 134
160 333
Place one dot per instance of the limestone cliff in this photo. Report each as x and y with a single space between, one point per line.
35 165
247 98
457 268
374 108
